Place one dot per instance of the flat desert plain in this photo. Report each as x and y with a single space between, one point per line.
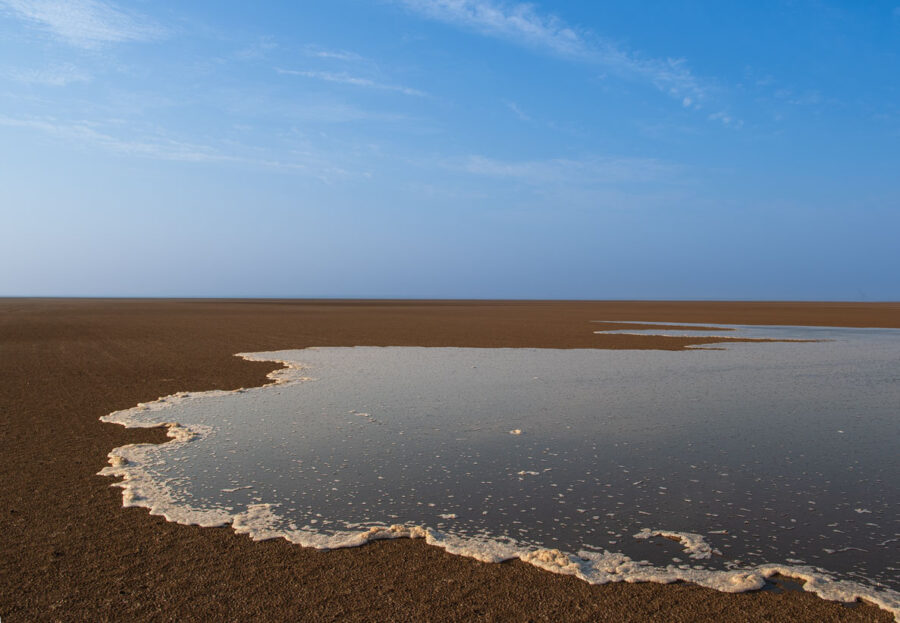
70 552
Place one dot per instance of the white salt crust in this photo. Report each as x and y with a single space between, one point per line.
258 521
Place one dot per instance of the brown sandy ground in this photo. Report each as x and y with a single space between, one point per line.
70 552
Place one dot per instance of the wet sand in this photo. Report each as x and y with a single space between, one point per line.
71 552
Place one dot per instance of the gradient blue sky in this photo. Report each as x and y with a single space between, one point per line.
451 148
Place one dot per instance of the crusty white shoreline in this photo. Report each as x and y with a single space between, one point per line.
140 489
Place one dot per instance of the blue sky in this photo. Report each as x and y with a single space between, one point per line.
451 149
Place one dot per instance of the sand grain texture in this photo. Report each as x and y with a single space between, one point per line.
70 552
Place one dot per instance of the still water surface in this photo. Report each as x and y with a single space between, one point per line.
782 452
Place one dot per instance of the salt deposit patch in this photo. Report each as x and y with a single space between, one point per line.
730 450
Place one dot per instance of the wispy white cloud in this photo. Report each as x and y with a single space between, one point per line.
55 76
726 119
807 98
590 171
338 55
521 23
344 78
518 112
87 134
84 23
